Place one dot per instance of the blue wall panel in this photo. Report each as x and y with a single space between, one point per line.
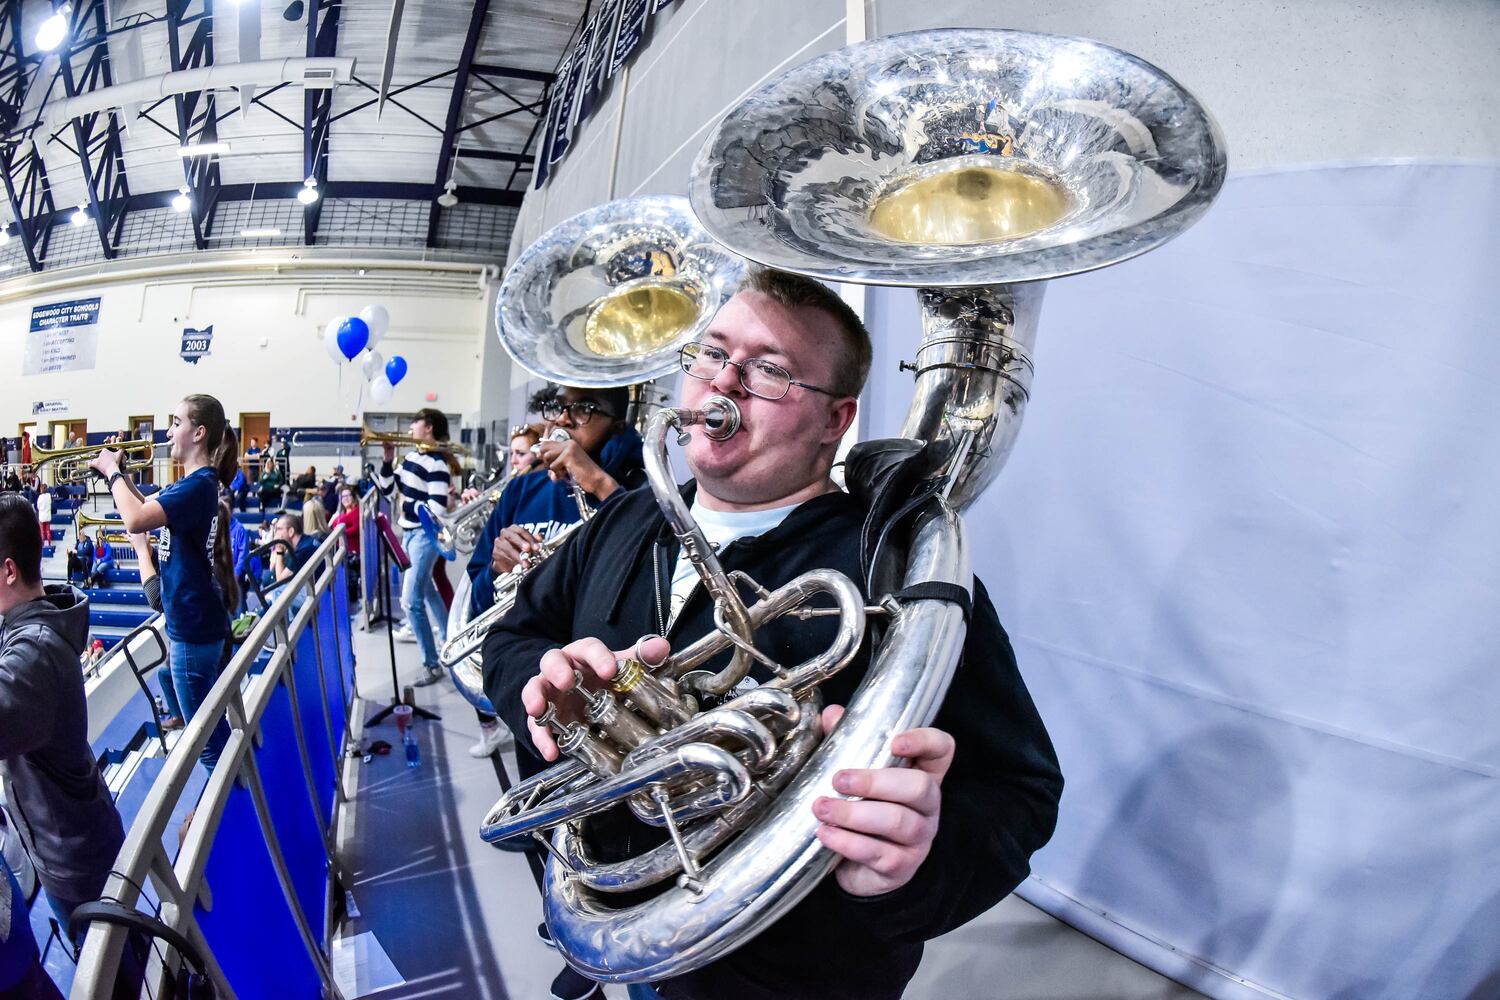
292 816
310 709
250 927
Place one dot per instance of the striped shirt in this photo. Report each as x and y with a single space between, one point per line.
424 478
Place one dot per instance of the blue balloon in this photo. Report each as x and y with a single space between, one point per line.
395 370
354 334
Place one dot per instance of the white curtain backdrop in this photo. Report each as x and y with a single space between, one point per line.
1248 550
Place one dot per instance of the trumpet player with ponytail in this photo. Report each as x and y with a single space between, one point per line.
601 455
920 848
197 570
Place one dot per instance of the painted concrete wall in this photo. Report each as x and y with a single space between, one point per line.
267 352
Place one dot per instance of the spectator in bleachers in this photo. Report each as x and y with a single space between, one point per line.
331 488
44 513
270 485
283 457
287 560
314 521
251 464
66 815
239 551
347 521
81 558
303 487
239 489
104 561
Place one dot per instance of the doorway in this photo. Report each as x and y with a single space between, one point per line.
142 427
25 441
257 426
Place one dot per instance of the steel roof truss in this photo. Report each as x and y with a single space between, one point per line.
197 114
317 107
100 150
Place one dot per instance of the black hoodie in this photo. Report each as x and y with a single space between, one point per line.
54 787
612 581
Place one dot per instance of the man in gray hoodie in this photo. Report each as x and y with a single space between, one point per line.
52 782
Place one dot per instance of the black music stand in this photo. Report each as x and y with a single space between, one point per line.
392 552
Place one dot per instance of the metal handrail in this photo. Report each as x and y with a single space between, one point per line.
369 597
181 883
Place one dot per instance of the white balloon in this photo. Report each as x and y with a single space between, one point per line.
378 319
331 339
381 390
372 364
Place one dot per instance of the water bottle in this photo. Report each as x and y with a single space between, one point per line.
413 752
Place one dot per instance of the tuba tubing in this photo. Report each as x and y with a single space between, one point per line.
778 860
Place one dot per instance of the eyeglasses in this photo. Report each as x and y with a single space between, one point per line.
580 413
760 378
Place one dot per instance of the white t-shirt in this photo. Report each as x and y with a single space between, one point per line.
720 527
44 507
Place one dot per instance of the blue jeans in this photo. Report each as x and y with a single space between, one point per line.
195 668
424 608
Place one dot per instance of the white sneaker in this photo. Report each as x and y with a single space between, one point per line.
405 634
492 737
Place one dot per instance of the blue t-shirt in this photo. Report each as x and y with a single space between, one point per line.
189 596
306 546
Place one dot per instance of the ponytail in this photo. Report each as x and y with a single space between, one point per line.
223 569
227 458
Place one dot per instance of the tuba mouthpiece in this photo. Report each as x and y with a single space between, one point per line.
721 418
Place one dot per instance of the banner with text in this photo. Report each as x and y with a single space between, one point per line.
64 337
196 343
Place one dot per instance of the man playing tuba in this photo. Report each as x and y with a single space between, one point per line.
924 848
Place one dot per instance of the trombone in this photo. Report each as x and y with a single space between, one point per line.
74 462
368 438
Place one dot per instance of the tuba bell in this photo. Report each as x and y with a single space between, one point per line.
606 298
972 165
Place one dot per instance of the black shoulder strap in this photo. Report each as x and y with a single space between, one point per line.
937 590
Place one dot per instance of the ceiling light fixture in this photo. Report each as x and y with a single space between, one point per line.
202 149
51 32
258 233
309 192
182 202
82 214
448 199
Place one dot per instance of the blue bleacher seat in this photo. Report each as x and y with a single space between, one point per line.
119 617
117 595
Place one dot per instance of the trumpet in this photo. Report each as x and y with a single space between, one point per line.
368 438
119 537
74 462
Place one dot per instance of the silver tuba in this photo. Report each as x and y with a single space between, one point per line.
972 165
606 298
